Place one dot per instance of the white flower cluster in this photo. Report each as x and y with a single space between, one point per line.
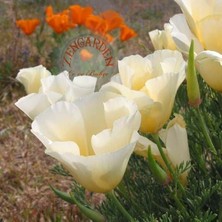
93 134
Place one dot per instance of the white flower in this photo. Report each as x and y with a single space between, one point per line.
209 64
163 39
93 137
152 83
53 89
176 143
31 78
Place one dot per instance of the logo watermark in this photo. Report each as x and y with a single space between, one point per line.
89 55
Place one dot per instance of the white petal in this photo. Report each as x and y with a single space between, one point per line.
33 104
31 78
123 118
163 91
62 122
98 173
134 70
87 82
182 34
156 39
142 147
177 145
198 9
163 88
140 98
126 74
92 111
56 83
152 118
56 87
163 39
53 97
209 65
151 111
211 32
195 11
167 37
65 148
118 107
166 61
83 85
110 140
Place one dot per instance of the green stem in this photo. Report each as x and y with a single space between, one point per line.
175 178
120 207
206 132
180 205
166 161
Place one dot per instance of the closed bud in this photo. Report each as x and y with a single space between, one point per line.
193 90
159 174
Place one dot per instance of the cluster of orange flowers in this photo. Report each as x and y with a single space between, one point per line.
76 15
28 26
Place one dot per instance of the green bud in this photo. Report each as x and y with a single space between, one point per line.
193 90
91 214
159 174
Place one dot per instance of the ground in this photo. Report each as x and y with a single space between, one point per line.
25 173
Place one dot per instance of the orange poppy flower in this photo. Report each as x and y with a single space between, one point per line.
49 11
113 19
79 14
97 24
28 26
59 22
126 33
85 55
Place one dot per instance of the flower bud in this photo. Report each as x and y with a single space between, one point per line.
193 90
159 174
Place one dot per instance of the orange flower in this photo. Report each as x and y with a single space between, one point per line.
59 22
113 19
97 24
126 33
79 14
28 26
49 11
85 55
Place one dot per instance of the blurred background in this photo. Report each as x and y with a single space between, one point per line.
18 50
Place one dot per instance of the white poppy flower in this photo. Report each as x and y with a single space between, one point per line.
93 137
31 78
53 89
176 145
152 83
162 39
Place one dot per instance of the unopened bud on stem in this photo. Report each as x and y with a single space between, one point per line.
193 90
159 174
